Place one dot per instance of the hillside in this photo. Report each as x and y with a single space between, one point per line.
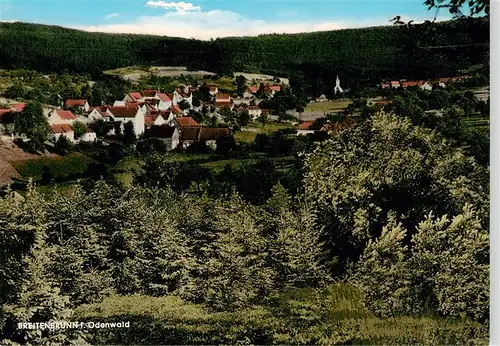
355 54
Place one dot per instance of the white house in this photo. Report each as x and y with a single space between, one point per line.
98 114
89 136
426 86
179 95
254 112
62 130
80 104
321 98
60 116
250 92
165 102
213 90
126 114
119 103
133 97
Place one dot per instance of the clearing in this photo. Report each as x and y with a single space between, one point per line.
260 77
249 132
328 106
134 73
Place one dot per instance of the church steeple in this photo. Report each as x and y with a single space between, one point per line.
337 86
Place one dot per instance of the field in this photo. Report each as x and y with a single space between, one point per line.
477 122
134 73
248 133
224 83
327 106
331 316
260 77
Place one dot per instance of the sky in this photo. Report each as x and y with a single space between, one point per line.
206 19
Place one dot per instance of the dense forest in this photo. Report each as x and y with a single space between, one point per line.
416 51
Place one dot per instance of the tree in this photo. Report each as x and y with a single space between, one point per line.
364 172
129 137
79 129
32 123
243 118
227 115
205 92
263 119
454 6
183 105
443 270
63 145
299 109
240 84
99 127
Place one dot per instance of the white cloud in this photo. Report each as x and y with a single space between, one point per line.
178 6
189 22
9 20
112 15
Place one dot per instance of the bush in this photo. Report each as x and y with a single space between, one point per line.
60 168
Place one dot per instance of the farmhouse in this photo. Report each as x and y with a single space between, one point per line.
250 92
59 116
98 113
80 104
305 128
394 84
62 130
18 107
126 114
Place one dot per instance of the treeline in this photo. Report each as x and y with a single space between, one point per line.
366 54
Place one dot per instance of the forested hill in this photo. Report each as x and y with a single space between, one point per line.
368 53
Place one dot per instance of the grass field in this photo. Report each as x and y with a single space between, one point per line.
333 316
248 133
127 70
477 122
327 106
224 83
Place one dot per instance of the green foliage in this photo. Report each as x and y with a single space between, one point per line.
445 271
63 146
333 316
129 137
243 118
79 129
33 124
382 165
59 167
377 51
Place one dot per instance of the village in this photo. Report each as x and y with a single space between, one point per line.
153 113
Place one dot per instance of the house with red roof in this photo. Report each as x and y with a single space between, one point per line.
385 85
62 130
180 95
394 84
250 92
156 119
18 107
60 116
305 128
133 97
165 102
81 104
98 113
135 115
213 90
